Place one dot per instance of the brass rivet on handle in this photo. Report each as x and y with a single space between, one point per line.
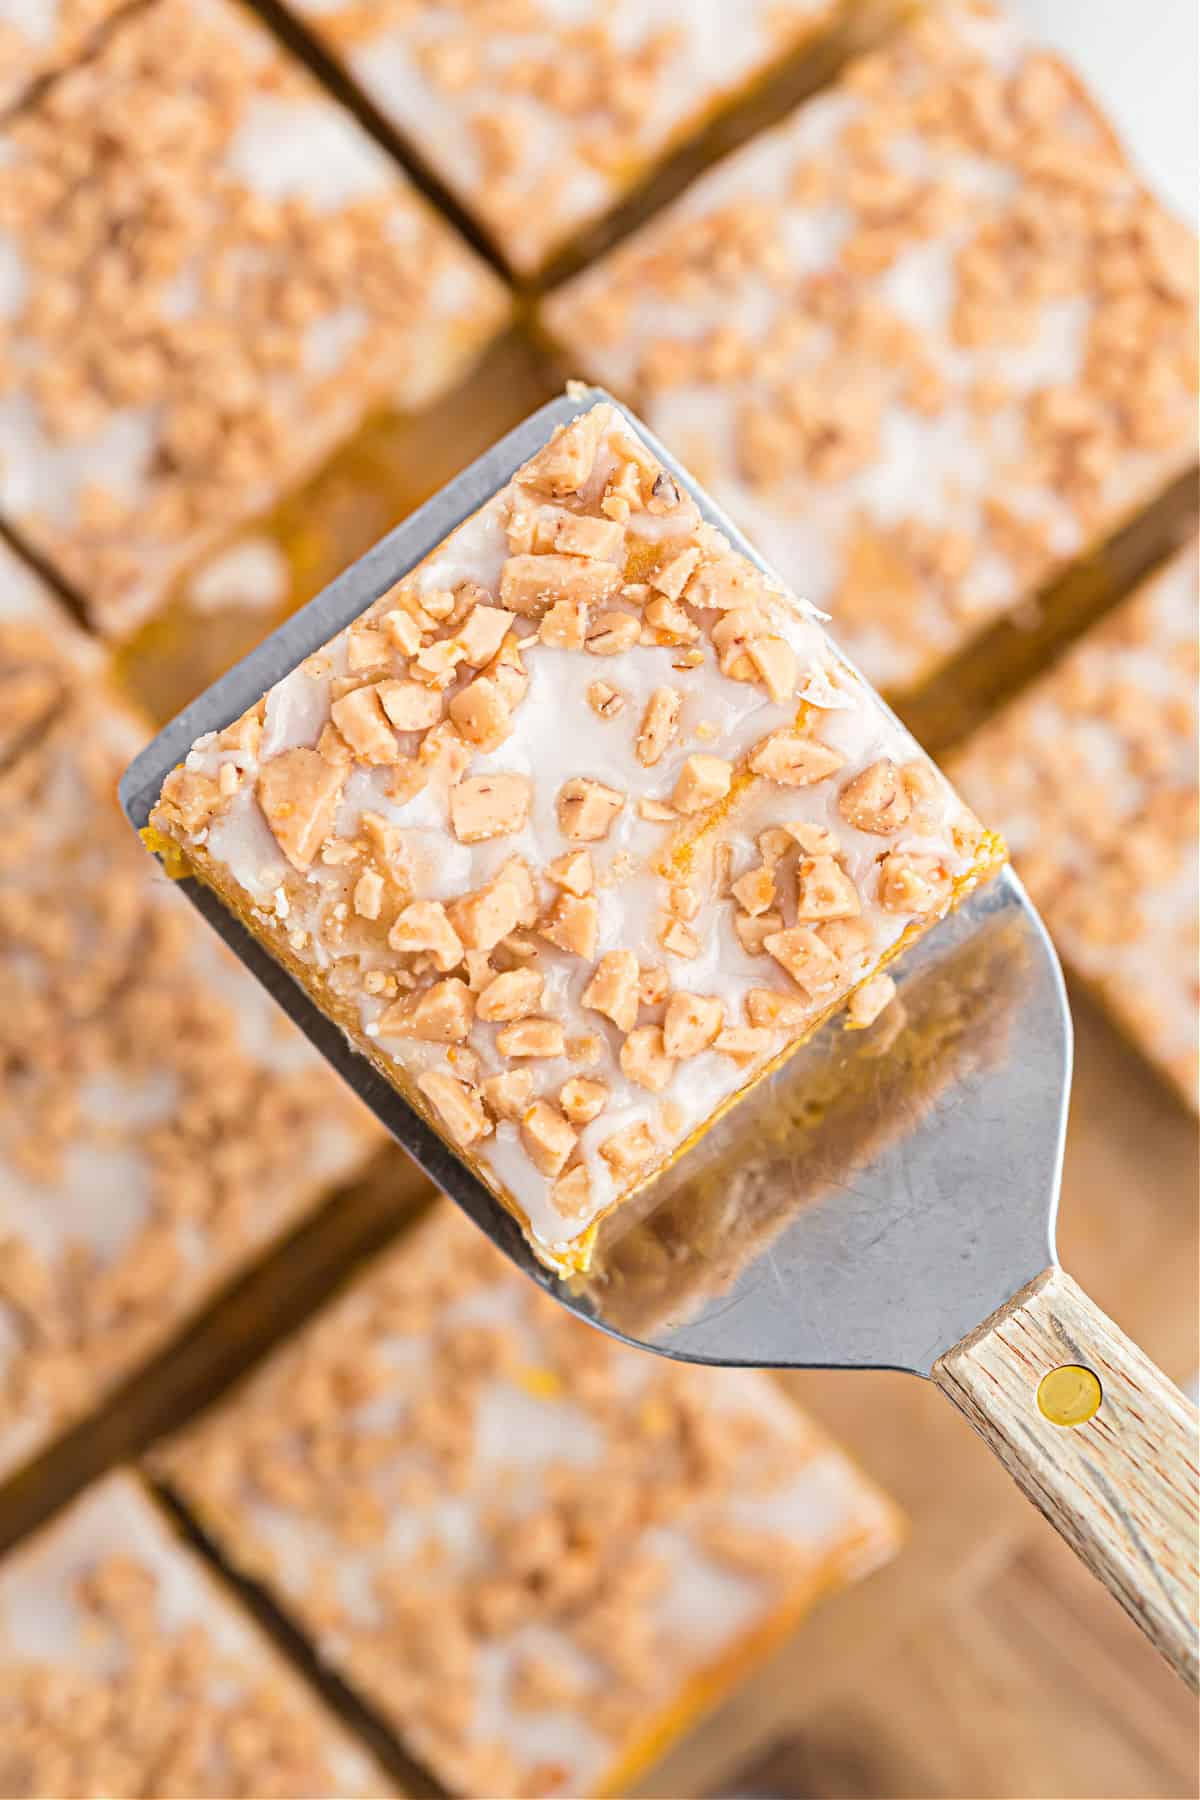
1069 1395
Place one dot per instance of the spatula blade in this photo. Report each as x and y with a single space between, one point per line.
883 1192
869 1203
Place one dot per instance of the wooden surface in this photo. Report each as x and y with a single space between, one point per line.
1026 1688
983 1662
1119 1486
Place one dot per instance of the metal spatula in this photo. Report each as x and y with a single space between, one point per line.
886 1200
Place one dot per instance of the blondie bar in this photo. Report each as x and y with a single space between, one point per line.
37 39
210 274
160 1124
537 1554
928 341
576 829
125 1670
540 117
1092 774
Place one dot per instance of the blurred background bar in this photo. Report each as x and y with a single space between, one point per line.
120 1654
887 275
162 1122
536 1553
1091 775
213 276
540 123
228 601
929 341
1146 79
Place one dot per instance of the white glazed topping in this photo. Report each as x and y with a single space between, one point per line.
542 113
613 812
283 278
125 1669
897 340
1092 776
520 1541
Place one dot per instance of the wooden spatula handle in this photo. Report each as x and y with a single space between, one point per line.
1100 1441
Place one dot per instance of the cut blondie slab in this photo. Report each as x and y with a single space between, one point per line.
1092 773
576 830
541 117
159 1123
537 1553
40 36
927 342
210 274
125 1670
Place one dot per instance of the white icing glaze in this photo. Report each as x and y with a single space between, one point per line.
25 598
285 148
251 576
